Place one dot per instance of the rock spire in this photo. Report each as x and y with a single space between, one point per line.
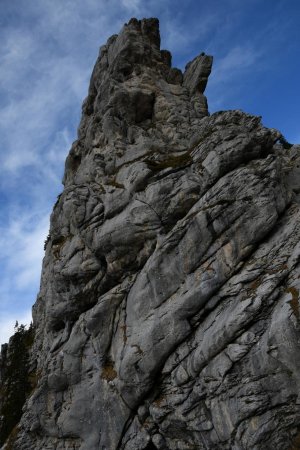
168 315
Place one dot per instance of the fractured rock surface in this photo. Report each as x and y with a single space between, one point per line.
168 315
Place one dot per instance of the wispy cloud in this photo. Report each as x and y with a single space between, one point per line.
229 71
181 39
21 250
8 321
238 58
28 123
133 6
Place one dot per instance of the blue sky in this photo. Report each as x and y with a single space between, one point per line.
47 52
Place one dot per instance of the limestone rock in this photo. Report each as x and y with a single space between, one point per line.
168 315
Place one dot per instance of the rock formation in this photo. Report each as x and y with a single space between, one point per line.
168 315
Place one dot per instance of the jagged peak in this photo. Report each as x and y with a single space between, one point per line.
134 91
138 43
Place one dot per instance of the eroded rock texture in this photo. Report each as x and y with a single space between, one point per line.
168 316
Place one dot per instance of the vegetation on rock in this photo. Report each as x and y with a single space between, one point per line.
15 382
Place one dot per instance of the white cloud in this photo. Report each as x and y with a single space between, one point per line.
21 250
228 71
180 39
8 321
132 5
15 53
27 262
28 123
239 58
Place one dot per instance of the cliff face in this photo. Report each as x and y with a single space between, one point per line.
168 315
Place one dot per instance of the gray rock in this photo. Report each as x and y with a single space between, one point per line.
168 315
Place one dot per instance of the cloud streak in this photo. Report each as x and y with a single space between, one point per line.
235 65
21 250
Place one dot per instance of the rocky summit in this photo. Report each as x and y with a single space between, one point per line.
168 316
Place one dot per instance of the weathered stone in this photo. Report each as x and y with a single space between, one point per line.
168 315
196 73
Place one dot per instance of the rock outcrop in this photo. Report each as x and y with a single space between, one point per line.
168 315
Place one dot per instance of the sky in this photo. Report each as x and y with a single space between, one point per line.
47 52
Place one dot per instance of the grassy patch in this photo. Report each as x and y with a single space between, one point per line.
108 372
294 302
172 161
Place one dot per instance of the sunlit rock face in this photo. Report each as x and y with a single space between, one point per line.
168 315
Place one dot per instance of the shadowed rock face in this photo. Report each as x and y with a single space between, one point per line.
168 315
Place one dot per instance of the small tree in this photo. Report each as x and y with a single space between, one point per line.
15 383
